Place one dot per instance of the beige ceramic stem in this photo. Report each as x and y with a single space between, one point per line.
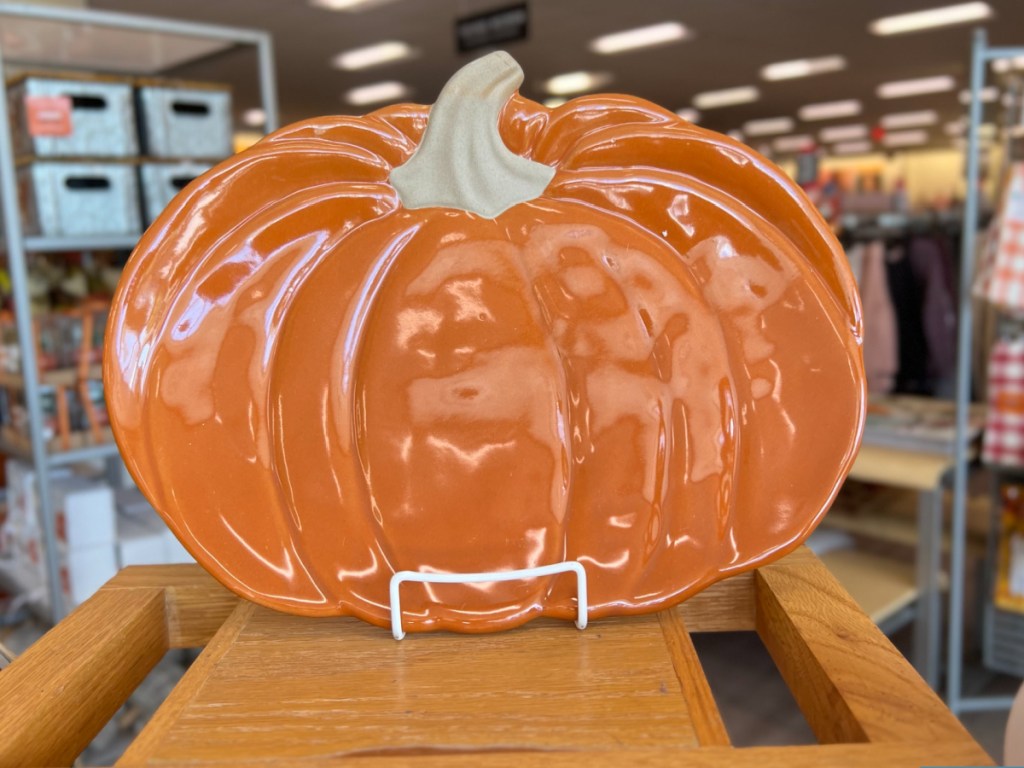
462 161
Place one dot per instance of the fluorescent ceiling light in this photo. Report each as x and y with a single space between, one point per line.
956 128
910 119
347 5
905 138
254 117
728 97
554 101
988 94
795 143
852 147
916 87
828 110
372 55
1002 66
389 90
843 132
768 126
963 13
641 37
785 70
575 82
689 114
961 143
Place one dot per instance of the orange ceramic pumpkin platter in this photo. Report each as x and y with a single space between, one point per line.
487 336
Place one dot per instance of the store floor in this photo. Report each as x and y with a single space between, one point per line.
756 705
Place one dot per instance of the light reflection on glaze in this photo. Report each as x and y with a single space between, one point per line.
654 368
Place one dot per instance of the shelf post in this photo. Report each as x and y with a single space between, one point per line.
18 268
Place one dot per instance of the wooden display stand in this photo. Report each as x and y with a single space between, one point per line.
276 689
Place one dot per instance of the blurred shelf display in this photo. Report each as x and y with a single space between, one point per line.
75 147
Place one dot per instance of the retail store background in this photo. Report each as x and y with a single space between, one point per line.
881 154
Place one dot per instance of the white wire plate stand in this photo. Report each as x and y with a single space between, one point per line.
567 566
114 35
981 55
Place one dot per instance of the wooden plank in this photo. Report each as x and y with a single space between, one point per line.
195 677
197 605
704 714
902 469
56 696
850 682
823 756
314 688
881 586
727 606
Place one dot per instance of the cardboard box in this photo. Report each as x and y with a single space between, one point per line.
160 182
73 116
185 121
79 198
141 539
84 513
85 570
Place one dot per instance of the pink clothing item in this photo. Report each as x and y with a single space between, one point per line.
881 353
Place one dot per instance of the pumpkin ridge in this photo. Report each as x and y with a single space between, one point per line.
354 328
764 184
607 177
171 294
783 247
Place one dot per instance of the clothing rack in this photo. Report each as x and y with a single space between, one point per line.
981 55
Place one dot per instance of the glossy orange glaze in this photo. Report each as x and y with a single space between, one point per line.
654 368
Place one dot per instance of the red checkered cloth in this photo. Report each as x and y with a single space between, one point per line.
1003 443
1005 278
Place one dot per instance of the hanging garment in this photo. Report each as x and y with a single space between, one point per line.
938 310
881 351
907 298
1003 443
1005 285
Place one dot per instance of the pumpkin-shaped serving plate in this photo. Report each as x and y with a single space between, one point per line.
487 336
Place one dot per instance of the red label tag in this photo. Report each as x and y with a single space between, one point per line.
48 115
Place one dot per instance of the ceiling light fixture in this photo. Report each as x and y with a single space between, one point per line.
347 5
905 138
843 132
1004 65
372 55
828 110
727 97
899 89
576 82
689 114
797 143
389 90
254 118
786 70
768 126
962 13
988 94
956 128
910 119
852 148
554 101
641 37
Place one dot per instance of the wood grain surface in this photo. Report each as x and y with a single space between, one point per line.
281 690
341 687
848 679
56 696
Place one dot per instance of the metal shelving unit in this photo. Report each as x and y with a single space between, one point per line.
981 55
103 41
